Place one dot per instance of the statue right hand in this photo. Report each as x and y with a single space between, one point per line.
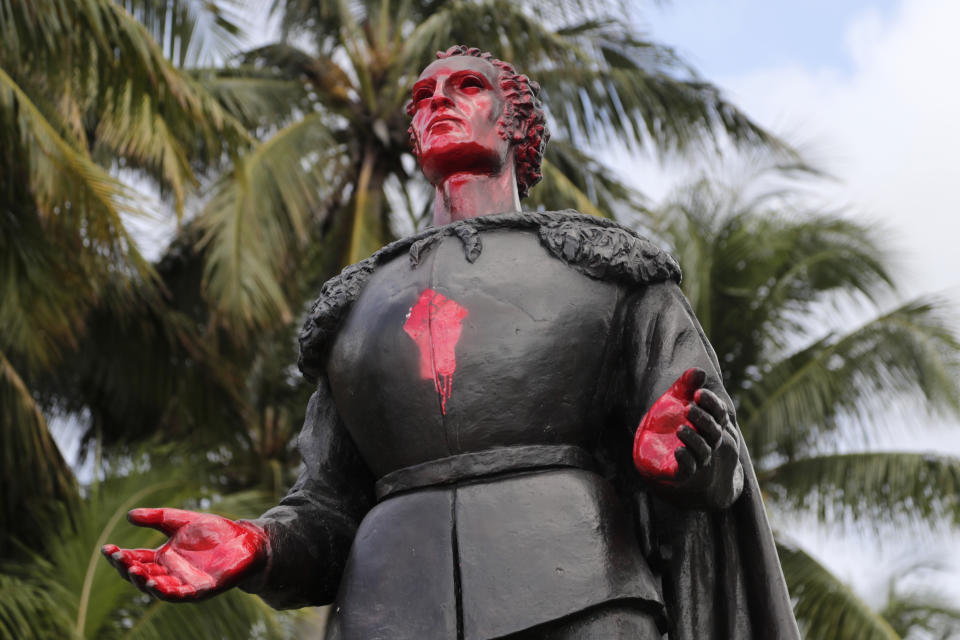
206 554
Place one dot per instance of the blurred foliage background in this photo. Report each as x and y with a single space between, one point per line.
282 163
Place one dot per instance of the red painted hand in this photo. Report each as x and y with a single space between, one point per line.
678 436
206 554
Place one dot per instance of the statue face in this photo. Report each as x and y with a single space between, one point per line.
458 105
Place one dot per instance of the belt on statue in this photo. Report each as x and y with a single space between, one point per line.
484 464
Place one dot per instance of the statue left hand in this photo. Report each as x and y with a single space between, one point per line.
686 441
205 555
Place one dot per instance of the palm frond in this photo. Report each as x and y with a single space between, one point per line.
334 85
177 382
756 264
191 32
909 352
825 607
95 601
145 111
559 192
911 609
230 615
35 478
259 215
32 610
573 179
870 488
259 98
68 188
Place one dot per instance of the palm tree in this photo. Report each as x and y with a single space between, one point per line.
67 591
764 273
71 114
93 100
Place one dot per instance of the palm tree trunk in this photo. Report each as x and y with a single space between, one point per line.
369 229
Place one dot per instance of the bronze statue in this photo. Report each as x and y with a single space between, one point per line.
519 428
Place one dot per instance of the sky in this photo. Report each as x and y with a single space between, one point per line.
868 91
865 89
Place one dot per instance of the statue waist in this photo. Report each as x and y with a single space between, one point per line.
491 543
484 464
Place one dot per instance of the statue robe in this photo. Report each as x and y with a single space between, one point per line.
483 380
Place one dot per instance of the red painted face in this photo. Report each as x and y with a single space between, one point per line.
458 104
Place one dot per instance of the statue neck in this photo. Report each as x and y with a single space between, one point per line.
469 195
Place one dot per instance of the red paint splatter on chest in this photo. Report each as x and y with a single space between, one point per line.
435 323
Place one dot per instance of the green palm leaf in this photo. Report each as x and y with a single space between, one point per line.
573 179
870 488
825 607
920 609
32 610
320 71
33 474
260 216
910 351
191 32
765 260
63 234
762 269
259 98
145 111
91 602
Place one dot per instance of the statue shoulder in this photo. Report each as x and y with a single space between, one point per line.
606 250
599 248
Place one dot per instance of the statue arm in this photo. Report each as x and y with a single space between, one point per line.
311 530
686 444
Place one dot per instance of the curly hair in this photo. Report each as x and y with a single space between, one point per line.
523 122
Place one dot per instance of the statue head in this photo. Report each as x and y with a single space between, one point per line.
472 112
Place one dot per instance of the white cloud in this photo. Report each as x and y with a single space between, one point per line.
889 130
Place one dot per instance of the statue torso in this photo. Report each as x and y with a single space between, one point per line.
452 357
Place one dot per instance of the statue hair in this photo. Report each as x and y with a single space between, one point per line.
523 122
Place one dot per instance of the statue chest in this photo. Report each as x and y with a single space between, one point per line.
450 356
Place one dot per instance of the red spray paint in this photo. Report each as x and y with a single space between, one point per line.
435 323
656 441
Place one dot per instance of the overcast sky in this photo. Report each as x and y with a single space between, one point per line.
869 90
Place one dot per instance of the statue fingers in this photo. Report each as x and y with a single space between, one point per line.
170 589
729 440
696 445
153 569
687 384
138 575
686 464
112 553
712 404
123 559
140 555
114 556
705 424
165 520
